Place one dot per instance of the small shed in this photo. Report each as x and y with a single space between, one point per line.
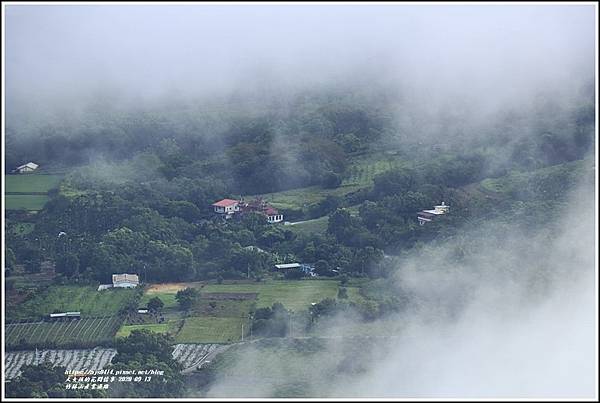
288 266
29 167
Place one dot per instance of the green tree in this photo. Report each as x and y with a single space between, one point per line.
45 381
186 298
146 350
155 304
67 264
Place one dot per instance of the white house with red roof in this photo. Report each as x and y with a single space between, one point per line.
227 207
273 215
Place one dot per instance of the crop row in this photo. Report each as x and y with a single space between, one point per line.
189 355
62 333
93 359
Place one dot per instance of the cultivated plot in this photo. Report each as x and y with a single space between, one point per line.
59 332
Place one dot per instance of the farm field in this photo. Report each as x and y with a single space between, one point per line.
92 359
189 355
360 175
90 330
210 329
295 295
62 298
166 292
218 315
302 197
29 191
31 183
26 202
223 307
126 330
318 225
363 170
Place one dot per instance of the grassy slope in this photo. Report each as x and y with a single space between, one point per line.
220 320
210 329
125 330
31 183
294 295
85 299
63 332
27 202
360 175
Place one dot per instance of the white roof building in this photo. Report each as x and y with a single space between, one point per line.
125 280
30 166
286 266
425 216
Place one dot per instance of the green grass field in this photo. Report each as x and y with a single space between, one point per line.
296 295
211 329
126 330
63 332
218 317
26 202
303 197
85 299
28 191
318 225
360 175
363 170
223 308
31 183
168 298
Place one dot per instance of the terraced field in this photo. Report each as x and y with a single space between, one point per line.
192 355
363 170
92 359
189 355
90 330
360 175
25 202
30 191
85 299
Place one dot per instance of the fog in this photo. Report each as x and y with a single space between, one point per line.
436 56
516 318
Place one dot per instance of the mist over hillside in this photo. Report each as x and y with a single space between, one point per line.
349 121
445 73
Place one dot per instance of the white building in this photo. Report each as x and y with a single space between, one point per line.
273 215
29 167
287 266
227 206
125 280
426 216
